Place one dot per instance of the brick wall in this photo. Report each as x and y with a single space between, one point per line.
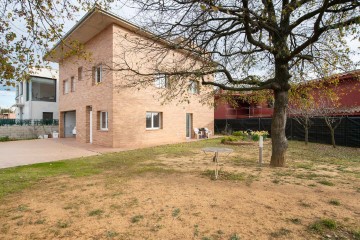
25 132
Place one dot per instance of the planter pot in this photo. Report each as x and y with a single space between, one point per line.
46 136
55 135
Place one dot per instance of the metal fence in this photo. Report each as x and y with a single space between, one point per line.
28 122
346 134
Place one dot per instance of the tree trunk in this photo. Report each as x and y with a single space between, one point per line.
332 132
306 135
278 124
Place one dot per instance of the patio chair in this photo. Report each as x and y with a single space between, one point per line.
197 133
208 132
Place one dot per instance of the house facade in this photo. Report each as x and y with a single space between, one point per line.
92 101
346 86
37 98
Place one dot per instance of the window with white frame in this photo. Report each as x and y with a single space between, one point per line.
161 81
153 120
66 86
104 121
193 87
72 81
98 74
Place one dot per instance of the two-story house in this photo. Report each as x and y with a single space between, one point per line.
37 98
103 113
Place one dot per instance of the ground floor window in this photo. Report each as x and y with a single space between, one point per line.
103 120
153 120
48 116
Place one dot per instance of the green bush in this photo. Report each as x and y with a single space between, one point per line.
4 139
229 139
240 134
255 138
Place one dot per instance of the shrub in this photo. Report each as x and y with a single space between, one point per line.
229 139
4 139
255 137
240 134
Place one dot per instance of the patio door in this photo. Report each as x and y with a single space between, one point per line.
90 127
189 127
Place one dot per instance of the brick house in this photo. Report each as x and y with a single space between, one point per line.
107 115
347 88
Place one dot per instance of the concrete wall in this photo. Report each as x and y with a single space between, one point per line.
25 132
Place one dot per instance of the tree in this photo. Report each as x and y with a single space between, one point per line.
332 115
247 45
28 29
302 110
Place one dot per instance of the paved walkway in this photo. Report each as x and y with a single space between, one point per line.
17 153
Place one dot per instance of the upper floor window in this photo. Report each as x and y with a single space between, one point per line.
72 82
43 89
193 87
66 86
80 73
161 81
98 74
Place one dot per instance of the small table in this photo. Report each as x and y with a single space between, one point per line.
217 150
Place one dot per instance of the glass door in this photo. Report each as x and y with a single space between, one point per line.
188 125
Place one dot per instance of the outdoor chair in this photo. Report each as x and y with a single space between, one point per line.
208 132
197 133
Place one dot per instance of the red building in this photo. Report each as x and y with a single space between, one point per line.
346 86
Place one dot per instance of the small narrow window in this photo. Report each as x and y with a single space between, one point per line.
153 120
73 84
194 87
98 74
104 121
80 73
161 81
66 86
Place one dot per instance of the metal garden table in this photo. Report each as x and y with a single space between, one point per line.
217 150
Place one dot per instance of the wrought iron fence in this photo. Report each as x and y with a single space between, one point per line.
28 122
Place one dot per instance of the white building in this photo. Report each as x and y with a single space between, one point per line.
37 99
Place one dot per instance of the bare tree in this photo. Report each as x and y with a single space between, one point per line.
331 113
246 45
302 110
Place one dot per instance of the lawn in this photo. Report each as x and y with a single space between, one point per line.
168 192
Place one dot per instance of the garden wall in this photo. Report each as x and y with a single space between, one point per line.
26 132
347 133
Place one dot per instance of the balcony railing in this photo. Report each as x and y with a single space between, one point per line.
28 122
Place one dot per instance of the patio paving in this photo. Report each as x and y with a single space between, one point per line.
25 152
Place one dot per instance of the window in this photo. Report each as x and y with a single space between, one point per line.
194 87
73 84
66 86
103 121
43 89
80 73
47 116
27 91
98 74
161 81
17 90
153 120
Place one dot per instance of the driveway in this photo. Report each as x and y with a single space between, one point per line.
17 153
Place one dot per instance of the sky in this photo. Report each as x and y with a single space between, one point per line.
7 96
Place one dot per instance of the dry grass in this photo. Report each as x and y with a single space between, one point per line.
169 192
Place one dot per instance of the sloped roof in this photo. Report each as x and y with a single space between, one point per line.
92 23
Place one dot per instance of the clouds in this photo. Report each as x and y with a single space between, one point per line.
7 98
